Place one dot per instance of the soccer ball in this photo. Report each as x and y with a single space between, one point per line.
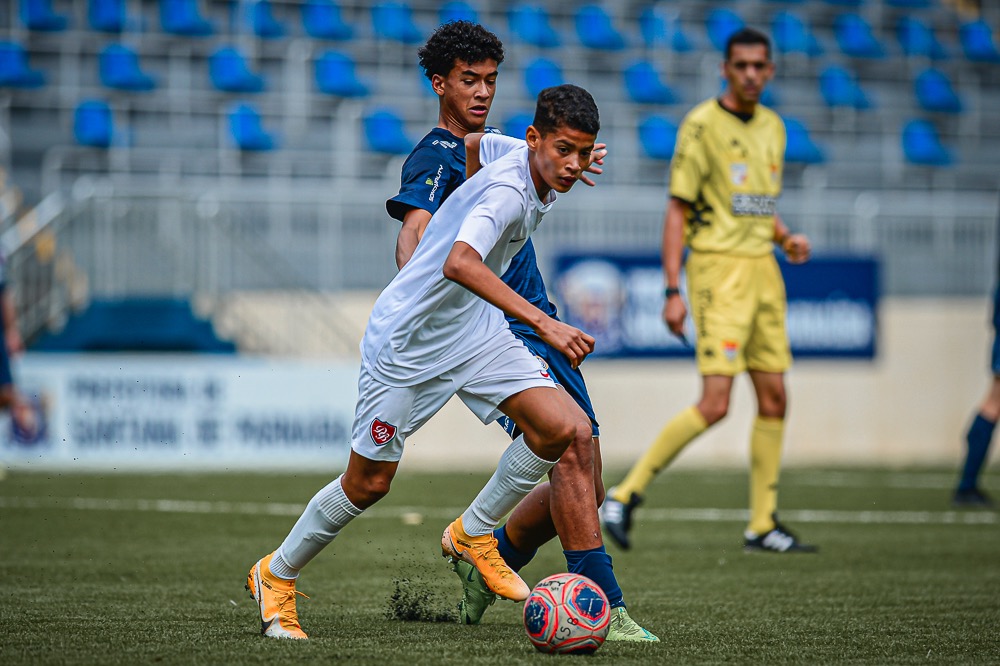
567 614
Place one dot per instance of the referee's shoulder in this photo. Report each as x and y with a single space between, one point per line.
702 112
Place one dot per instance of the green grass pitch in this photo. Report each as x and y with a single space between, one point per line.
128 569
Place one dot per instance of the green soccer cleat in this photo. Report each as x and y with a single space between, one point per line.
476 597
624 628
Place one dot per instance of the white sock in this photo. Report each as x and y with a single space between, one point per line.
518 472
326 514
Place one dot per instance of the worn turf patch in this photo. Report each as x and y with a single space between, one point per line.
411 601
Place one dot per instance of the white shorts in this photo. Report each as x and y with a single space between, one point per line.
385 414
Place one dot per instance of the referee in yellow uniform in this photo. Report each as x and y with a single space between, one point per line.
725 180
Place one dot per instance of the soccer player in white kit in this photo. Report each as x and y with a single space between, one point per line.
437 330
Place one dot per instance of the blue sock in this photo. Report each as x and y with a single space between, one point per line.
514 558
980 434
595 564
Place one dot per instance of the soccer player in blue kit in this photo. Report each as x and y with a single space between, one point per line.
968 493
461 59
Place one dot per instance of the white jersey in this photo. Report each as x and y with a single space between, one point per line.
423 324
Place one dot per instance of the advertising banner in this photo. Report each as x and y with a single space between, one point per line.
832 305
181 411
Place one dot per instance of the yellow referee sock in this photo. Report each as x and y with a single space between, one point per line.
675 436
765 463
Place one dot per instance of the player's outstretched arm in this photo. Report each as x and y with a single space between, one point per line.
465 266
795 246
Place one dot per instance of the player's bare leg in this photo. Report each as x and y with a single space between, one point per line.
547 430
271 580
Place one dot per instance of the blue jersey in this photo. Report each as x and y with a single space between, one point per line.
524 277
431 172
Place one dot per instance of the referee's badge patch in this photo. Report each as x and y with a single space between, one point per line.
729 349
382 432
738 172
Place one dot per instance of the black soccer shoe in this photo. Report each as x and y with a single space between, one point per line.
972 499
779 540
616 517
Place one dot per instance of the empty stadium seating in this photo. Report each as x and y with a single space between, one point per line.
93 124
658 137
247 129
119 69
385 133
922 144
15 71
322 19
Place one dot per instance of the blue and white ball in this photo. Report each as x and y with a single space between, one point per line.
567 614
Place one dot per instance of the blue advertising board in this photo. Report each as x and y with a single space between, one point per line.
618 298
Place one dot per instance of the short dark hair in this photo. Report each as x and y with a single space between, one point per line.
458 40
747 36
566 106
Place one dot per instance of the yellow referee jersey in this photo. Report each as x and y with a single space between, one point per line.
729 170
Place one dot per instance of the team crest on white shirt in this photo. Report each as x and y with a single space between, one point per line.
545 366
382 432
738 172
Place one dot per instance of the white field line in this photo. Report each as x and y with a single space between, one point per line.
445 514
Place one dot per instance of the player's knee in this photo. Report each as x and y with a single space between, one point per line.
579 455
556 439
714 411
366 490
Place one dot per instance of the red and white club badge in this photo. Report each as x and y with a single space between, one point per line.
382 432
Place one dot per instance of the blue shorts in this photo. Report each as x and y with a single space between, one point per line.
562 372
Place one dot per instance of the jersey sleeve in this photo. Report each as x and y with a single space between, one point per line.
500 207
689 167
494 146
424 177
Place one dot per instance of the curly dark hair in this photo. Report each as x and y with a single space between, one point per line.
566 106
458 40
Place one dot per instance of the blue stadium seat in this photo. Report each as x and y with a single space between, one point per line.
935 93
229 72
322 19
516 124
792 35
799 146
657 137
385 133
840 88
136 325
106 15
182 17
542 73
660 29
119 69
855 37
93 124
922 145
916 38
910 4
845 3
335 75
457 11
977 42
720 24
644 86
530 24
247 130
394 20
596 30
261 21
39 15
15 72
